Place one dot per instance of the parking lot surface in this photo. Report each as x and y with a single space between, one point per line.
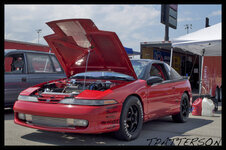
198 130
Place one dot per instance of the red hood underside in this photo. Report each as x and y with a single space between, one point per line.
72 40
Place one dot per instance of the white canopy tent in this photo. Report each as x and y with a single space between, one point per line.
204 42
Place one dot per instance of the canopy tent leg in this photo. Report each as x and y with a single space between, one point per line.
200 83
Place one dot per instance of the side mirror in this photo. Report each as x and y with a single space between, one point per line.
154 79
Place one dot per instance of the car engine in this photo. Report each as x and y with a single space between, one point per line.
73 86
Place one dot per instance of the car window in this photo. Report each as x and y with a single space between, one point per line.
14 64
56 64
173 74
139 67
39 63
157 70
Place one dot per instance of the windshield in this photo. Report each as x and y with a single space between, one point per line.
103 75
139 67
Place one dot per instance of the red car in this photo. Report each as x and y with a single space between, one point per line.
104 91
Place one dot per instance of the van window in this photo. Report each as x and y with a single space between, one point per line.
56 64
39 63
14 64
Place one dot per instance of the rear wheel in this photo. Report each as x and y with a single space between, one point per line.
182 116
131 119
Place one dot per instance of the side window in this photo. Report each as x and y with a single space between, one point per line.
173 73
56 64
39 63
158 70
14 64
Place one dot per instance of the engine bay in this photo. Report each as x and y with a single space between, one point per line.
74 86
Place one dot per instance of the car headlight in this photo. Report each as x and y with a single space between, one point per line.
91 102
27 98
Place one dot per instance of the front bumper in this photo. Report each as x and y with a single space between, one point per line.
100 118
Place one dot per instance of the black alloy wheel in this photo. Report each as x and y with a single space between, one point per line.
182 116
185 108
131 119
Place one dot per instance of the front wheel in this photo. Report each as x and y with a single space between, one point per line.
131 119
182 116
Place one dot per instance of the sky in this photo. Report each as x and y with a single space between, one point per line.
132 23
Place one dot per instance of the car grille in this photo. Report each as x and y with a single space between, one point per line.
52 101
52 97
49 121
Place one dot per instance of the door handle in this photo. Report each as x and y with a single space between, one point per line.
23 79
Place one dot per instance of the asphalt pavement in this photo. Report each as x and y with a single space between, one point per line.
198 130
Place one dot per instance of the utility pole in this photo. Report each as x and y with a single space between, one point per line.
38 31
187 27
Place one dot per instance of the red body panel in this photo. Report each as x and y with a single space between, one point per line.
212 74
157 100
101 118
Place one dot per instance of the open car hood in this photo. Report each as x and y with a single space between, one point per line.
75 40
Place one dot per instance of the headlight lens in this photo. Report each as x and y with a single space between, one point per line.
21 116
87 102
27 98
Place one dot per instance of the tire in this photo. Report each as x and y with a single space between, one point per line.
182 116
131 119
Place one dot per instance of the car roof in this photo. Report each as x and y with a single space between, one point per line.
6 51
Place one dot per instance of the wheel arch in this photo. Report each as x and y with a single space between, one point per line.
186 92
189 97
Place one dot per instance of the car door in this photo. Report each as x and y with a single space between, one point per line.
15 76
159 94
42 68
175 83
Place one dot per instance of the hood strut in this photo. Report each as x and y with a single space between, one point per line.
87 60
